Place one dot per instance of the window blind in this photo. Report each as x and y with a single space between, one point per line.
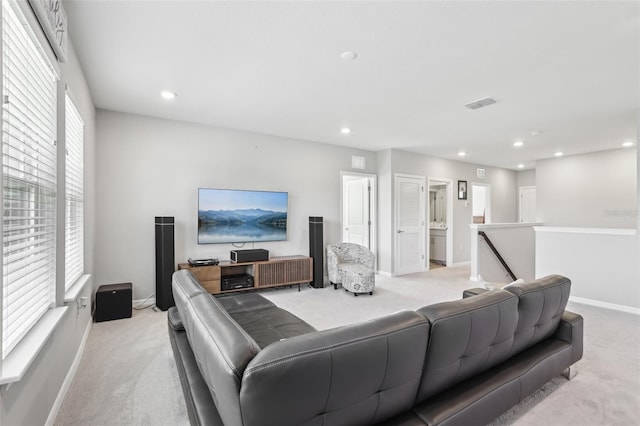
74 227
28 179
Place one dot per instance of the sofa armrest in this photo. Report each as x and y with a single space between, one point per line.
473 292
570 330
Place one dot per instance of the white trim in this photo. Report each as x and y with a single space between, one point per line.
464 263
17 363
606 305
504 225
70 376
77 287
607 231
384 273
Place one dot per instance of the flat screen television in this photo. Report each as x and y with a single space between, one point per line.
239 216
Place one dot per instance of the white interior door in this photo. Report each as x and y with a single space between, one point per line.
527 204
357 207
409 224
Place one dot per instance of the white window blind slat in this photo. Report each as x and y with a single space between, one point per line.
29 179
74 194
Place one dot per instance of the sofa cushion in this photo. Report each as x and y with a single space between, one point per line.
358 374
222 349
243 302
468 336
540 307
261 319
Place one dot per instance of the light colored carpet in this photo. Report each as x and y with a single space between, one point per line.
127 374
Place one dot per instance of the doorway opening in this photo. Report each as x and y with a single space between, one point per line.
358 201
481 202
440 219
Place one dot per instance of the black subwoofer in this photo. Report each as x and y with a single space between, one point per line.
316 250
165 261
113 301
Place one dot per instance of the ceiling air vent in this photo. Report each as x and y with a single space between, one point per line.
481 103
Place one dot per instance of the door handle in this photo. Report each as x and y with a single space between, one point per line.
400 231
346 229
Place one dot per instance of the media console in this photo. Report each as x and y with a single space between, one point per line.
276 272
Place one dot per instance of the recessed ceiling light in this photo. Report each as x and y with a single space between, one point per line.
168 94
558 154
345 130
521 166
518 144
462 153
627 144
348 55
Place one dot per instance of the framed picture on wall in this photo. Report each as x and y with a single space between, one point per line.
462 190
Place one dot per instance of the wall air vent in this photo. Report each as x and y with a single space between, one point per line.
481 103
481 173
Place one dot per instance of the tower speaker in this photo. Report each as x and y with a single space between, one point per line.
165 261
316 250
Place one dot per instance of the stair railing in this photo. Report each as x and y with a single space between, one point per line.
497 254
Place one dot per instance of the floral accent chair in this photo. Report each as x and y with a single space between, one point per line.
352 266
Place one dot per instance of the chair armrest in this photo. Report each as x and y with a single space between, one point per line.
570 330
473 292
332 267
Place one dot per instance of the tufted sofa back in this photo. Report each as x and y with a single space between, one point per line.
359 374
467 337
540 307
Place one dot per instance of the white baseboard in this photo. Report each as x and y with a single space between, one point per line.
606 305
384 273
70 375
466 262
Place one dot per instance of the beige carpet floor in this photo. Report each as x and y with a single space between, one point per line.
127 375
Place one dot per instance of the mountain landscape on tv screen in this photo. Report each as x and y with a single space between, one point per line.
242 225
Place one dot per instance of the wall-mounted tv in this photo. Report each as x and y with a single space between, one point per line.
238 216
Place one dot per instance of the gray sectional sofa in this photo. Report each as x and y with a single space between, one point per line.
244 361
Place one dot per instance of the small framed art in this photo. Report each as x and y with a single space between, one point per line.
462 190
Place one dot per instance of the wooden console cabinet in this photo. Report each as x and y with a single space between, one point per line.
275 272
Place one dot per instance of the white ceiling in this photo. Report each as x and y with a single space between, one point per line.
566 68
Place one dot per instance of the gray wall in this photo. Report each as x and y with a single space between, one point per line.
152 167
503 195
526 178
591 190
30 401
